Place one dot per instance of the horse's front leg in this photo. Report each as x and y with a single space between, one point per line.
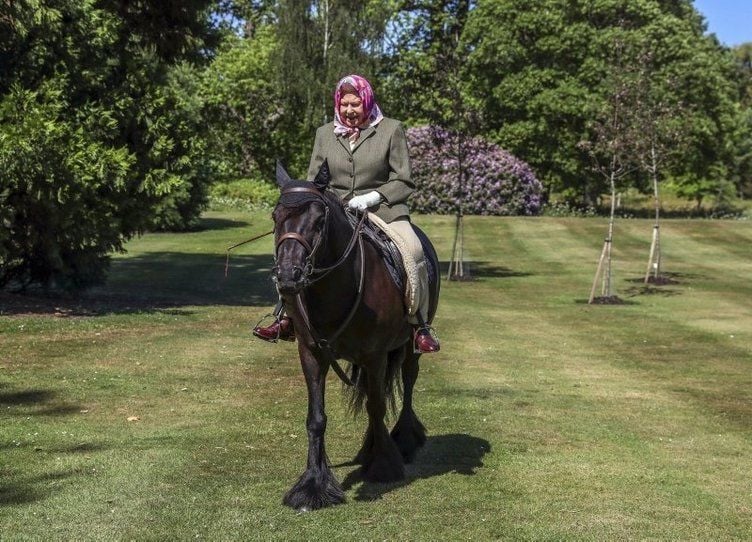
317 487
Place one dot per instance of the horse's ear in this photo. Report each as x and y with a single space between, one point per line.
323 176
283 178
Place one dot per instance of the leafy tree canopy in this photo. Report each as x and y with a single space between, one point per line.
538 74
95 140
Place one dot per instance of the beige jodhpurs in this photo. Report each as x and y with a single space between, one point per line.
416 294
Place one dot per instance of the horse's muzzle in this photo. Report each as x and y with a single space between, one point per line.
289 287
290 282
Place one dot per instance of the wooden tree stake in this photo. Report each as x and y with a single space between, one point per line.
599 270
654 260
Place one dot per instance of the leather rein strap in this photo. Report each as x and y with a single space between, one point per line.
324 344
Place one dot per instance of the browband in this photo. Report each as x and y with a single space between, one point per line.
298 189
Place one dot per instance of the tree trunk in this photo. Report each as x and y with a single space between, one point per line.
325 68
609 240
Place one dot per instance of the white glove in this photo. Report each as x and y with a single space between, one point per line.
365 201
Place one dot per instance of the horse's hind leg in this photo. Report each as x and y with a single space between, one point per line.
382 461
408 433
317 487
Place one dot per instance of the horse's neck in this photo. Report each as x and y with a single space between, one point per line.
339 234
330 298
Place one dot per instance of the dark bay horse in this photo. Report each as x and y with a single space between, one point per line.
344 305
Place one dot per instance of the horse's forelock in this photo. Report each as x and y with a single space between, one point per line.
295 201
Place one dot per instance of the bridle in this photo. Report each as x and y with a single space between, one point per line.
311 274
308 268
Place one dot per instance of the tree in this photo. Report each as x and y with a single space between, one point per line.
612 144
424 78
245 106
538 72
742 167
320 41
423 64
92 139
743 55
661 128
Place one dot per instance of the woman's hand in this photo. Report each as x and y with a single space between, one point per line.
365 201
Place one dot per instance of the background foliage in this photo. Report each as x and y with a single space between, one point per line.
117 117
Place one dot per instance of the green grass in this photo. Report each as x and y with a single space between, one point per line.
548 418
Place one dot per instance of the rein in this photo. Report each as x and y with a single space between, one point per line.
252 239
314 274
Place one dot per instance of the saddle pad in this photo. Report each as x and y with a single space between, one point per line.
408 265
386 248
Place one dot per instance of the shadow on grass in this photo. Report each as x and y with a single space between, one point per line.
661 287
442 454
159 282
15 398
16 490
653 289
647 289
669 278
483 270
166 282
35 402
33 488
219 224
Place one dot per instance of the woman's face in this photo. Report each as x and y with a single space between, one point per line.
351 110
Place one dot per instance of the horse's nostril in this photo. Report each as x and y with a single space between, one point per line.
296 273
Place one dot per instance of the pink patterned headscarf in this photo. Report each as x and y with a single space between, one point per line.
370 107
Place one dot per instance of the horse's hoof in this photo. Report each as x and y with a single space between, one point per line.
385 468
409 435
314 490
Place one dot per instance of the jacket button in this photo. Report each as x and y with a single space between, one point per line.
349 159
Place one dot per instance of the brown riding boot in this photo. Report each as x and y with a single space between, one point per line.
425 341
279 330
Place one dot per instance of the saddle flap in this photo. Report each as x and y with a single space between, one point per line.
387 249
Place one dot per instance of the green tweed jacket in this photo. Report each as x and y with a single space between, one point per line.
379 161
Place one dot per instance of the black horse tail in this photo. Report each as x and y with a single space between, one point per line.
356 394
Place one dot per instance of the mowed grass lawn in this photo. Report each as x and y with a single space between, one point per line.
145 410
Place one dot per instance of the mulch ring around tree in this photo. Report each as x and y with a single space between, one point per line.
608 300
661 280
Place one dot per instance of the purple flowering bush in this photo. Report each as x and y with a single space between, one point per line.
495 182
